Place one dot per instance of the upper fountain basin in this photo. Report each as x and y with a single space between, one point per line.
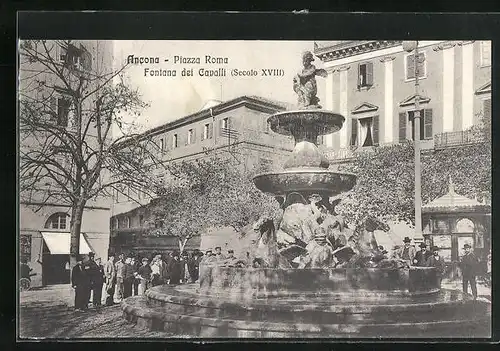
305 179
300 122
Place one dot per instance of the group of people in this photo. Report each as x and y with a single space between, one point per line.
469 263
128 276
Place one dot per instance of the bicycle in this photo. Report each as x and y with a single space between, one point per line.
25 283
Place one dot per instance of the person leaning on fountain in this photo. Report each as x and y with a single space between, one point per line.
436 261
407 252
421 256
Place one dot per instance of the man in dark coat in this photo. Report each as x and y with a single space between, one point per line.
128 278
93 270
80 281
97 283
436 261
469 265
421 256
175 269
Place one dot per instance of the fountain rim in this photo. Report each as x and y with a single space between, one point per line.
305 170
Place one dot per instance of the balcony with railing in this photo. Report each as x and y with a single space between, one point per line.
460 138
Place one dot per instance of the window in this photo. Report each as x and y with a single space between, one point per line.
174 141
115 223
141 220
63 107
225 123
365 74
206 129
487 108
162 144
365 131
190 137
127 222
407 119
76 57
57 221
25 246
485 47
410 66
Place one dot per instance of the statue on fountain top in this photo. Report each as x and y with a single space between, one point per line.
304 83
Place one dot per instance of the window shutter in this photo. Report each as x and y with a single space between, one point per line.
428 123
210 130
369 73
229 123
402 126
487 108
360 81
53 107
354 132
375 129
193 137
421 65
203 133
410 66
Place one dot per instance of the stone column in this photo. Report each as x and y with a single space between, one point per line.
448 83
344 132
388 99
467 84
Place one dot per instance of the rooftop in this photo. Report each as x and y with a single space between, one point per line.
453 202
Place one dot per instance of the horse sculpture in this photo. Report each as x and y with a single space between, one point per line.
266 249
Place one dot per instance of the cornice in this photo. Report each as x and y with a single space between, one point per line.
465 42
343 68
445 45
353 48
387 59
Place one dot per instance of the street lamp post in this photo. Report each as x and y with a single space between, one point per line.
410 46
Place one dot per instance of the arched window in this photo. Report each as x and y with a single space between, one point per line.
464 225
58 221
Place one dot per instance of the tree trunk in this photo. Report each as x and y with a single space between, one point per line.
182 245
76 226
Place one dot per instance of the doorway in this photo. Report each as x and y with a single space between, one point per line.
55 268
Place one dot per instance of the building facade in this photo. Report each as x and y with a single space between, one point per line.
44 221
235 129
372 84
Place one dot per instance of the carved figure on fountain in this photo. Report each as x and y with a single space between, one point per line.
304 83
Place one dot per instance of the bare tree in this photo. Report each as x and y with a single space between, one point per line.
70 100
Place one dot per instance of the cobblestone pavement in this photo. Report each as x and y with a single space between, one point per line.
49 313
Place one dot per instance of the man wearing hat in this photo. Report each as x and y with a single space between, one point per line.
421 256
175 269
469 265
407 252
436 261
80 281
218 254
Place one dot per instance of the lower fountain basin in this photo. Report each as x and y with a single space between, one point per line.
309 180
243 283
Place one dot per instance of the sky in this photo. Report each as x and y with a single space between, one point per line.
173 97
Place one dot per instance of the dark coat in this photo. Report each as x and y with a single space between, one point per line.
469 265
421 258
80 277
128 272
439 264
175 271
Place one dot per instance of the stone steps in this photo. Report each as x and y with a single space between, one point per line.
455 321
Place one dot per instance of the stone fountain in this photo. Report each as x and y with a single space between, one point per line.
302 282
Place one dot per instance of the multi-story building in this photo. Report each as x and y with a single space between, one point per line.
372 83
236 128
45 219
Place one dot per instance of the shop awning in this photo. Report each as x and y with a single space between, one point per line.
58 243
